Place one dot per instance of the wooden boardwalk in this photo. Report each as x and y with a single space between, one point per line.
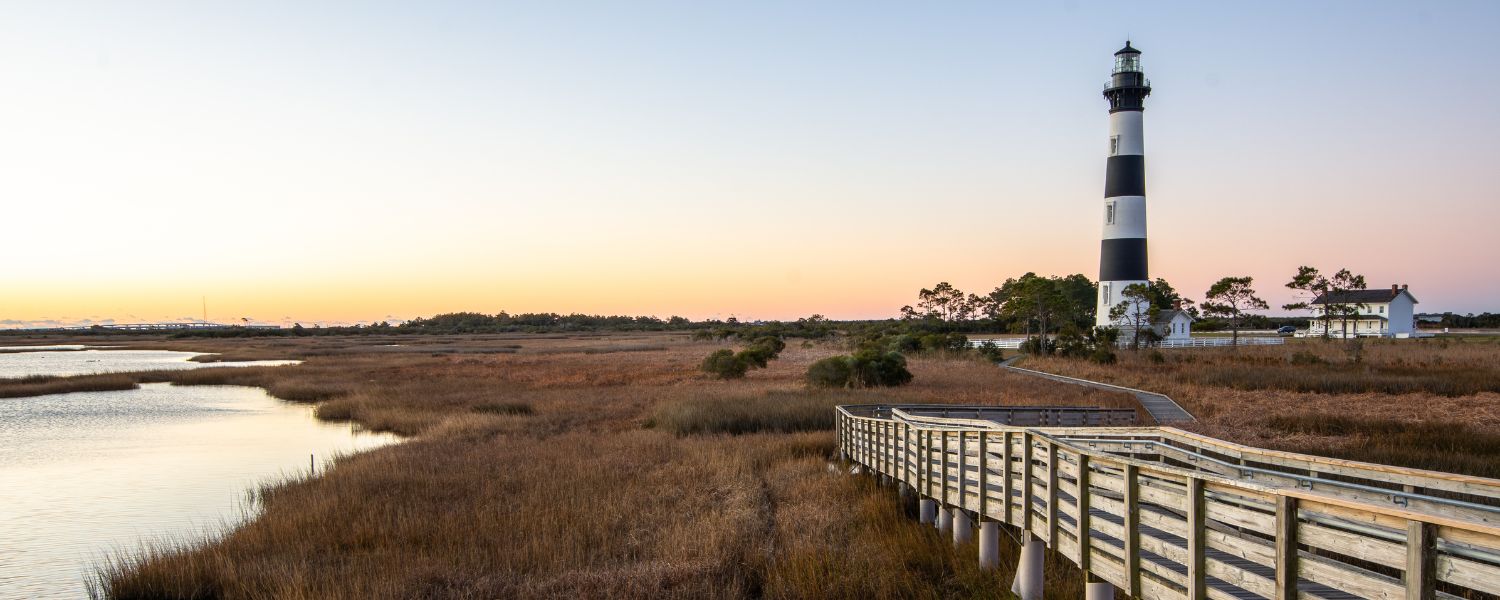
1161 407
1163 513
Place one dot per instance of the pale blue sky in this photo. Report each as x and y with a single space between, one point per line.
336 160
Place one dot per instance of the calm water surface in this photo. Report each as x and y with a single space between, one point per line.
87 362
86 474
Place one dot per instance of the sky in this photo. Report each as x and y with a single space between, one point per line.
342 162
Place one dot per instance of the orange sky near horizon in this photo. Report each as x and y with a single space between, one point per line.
761 162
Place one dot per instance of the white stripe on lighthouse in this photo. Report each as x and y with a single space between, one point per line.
1125 126
1124 217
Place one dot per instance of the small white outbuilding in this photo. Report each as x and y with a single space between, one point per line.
1173 325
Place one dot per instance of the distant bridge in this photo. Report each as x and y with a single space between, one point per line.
1163 513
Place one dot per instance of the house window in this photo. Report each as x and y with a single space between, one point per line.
1109 214
1382 309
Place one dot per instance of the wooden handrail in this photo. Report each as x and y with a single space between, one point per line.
1158 529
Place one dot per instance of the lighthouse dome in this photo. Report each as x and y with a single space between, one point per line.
1127 49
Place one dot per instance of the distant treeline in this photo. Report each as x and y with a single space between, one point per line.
1471 320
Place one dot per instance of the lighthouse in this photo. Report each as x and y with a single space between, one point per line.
1122 253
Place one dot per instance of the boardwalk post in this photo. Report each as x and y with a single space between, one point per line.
1005 483
901 464
943 469
1197 588
1132 530
984 476
927 511
927 465
1026 492
963 470
843 431
1052 460
1082 517
945 505
1421 561
1286 548
886 448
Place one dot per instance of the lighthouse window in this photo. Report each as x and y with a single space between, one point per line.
1106 295
1114 145
1109 214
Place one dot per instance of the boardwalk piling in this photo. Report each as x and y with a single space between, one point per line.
963 527
1099 590
944 519
989 545
1028 583
927 511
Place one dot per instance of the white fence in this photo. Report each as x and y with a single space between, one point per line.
1197 342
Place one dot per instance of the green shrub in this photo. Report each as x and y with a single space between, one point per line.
762 351
833 371
727 364
724 364
939 342
991 352
865 368
905 342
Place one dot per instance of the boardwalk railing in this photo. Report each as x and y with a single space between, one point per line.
1164 513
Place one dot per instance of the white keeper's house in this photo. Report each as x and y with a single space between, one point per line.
1382 313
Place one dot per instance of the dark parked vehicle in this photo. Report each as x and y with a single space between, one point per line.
1287 330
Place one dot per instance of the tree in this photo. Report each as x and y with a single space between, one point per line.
1135 313
1230 297
1327 297
1165 297
1341 300
1309 285
1081 295
943 302
1032 297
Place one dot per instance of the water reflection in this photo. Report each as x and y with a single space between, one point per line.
85 473
67 363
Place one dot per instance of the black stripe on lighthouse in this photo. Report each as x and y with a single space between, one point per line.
1122 259
1125 175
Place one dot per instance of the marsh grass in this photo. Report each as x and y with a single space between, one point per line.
774 412
1428 404
729 496
40 385
504 408
1433 445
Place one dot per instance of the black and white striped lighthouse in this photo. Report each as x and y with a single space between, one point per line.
1122 254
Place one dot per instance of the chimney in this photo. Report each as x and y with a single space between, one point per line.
1393 288
1403 286
1177 304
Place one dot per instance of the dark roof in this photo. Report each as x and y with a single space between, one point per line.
1127 49
1166 316
1379 296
